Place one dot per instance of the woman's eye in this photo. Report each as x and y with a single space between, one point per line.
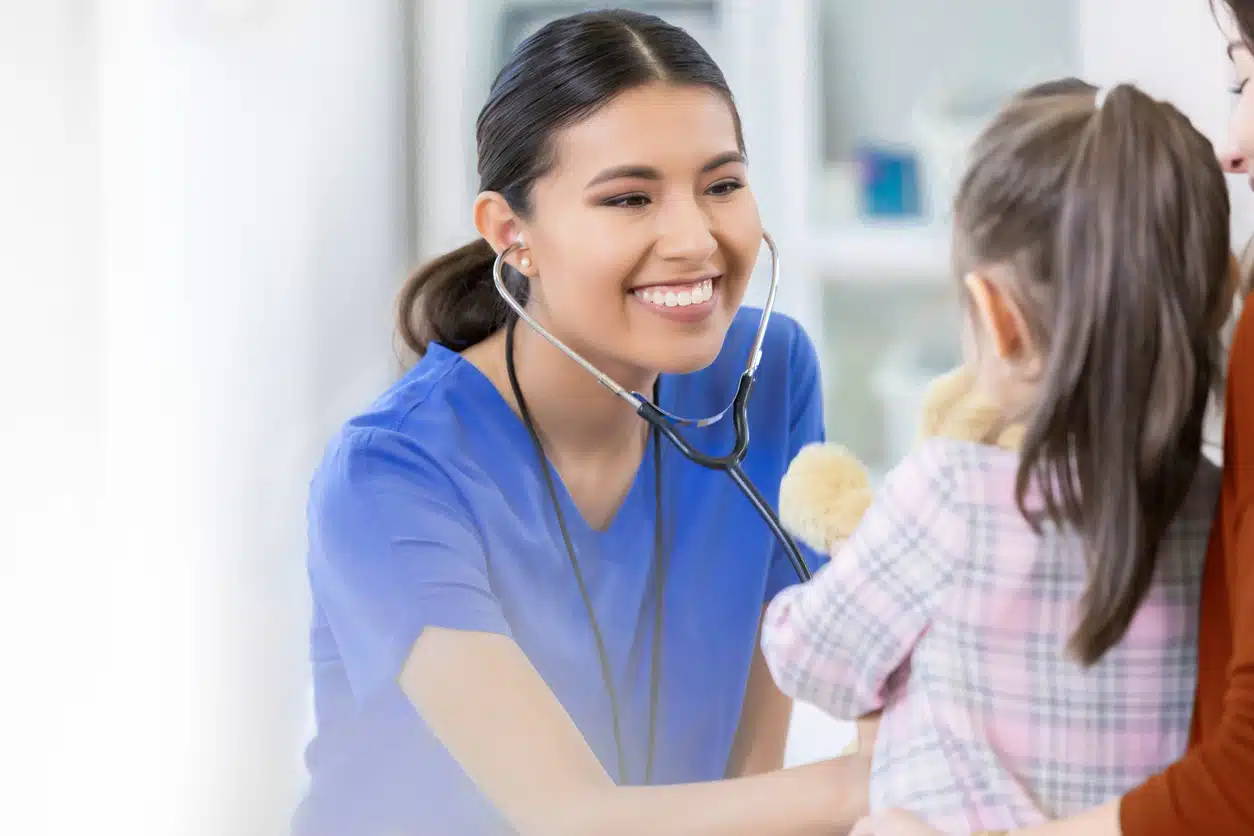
628 201
1238 88
725 187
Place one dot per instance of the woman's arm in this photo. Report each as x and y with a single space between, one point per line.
1100 821
762 736
489 707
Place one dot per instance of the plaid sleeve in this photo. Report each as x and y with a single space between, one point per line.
836 641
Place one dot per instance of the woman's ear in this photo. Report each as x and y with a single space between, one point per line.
500 226
999 317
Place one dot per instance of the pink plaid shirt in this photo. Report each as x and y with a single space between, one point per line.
948 612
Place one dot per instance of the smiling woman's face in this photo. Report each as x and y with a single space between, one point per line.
1237 159
645 231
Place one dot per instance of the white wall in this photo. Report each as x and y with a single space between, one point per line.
50 465
257 187
206 220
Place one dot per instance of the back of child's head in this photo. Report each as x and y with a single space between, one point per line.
1109 216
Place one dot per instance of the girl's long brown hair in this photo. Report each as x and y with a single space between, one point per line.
1113 221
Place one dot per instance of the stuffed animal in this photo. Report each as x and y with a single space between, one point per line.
826 489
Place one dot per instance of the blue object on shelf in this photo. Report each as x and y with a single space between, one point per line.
888 183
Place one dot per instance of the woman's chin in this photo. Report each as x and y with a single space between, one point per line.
689 355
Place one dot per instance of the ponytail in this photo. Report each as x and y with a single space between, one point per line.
1140 259
452 300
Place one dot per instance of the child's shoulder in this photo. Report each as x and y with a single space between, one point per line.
958 460
960 473
984 476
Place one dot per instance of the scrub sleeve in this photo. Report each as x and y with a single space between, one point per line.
397 553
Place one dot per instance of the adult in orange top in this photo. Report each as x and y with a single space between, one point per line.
1210 791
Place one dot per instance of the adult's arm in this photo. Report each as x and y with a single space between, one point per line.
401 573
495 715
762 736
1211 790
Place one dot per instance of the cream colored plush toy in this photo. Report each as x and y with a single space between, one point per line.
826 490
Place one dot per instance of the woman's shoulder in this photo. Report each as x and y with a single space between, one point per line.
788 371
411 435
1241 351
785 346
418 396
786 401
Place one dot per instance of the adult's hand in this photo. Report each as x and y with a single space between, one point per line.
893 823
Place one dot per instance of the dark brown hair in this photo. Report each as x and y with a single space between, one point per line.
561 74
1113 223
1242 12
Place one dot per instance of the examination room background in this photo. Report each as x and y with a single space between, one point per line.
205 209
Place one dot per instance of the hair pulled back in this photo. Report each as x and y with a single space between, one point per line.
1113 217
557 77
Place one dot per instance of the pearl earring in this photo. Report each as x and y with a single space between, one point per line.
524 262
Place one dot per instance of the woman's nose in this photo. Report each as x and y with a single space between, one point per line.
1234 162
687 232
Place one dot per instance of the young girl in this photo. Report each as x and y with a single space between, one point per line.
1027 621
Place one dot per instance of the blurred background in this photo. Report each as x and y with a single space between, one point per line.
206 207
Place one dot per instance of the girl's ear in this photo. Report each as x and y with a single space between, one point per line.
992 309
1000 317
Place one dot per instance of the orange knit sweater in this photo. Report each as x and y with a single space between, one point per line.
1210 792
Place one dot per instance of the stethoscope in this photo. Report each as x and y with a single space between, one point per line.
665 423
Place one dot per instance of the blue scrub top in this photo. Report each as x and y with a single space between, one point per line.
431 509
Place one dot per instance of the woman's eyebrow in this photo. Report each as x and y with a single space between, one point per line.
644 172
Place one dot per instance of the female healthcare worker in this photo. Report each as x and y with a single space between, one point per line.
527 604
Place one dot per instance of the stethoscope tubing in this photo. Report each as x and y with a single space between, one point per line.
666 423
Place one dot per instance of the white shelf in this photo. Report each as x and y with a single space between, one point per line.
870 251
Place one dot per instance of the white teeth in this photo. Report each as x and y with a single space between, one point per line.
677 295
